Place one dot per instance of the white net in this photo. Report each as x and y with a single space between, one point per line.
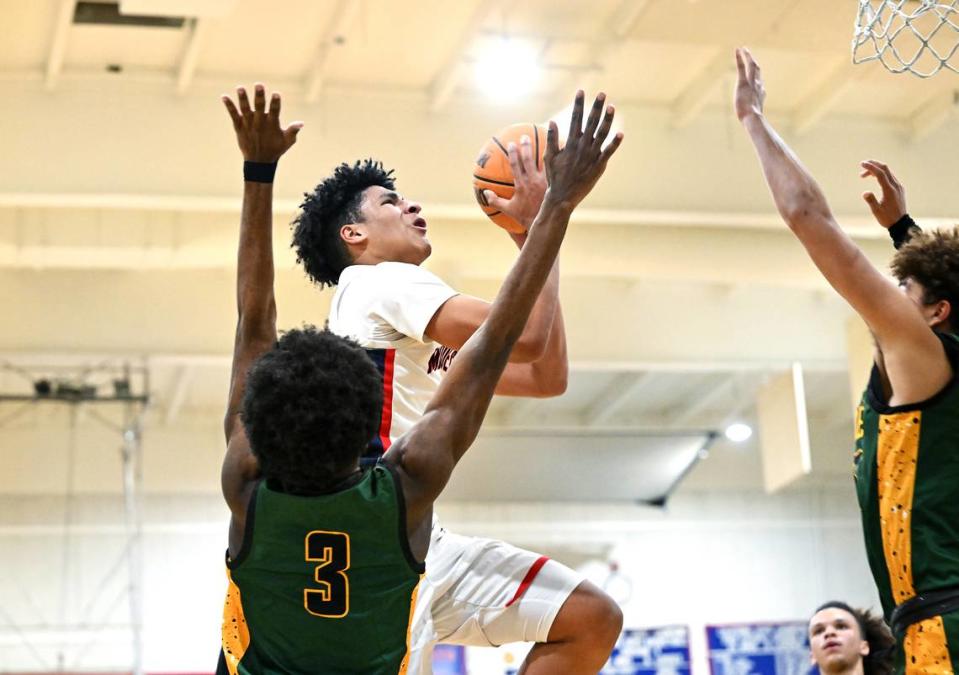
908 36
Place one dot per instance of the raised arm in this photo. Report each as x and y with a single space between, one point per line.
426 455
459 317
262 142
914 357
538 365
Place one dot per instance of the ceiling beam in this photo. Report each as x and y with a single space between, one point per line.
520 411
824 97
448 77
622 22
708 399
197 29
344 14
697 93
58 46
859 226
610 400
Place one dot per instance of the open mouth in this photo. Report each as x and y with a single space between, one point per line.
420 224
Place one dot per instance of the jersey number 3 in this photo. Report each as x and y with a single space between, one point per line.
332 551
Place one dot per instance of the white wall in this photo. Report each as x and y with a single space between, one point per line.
709 558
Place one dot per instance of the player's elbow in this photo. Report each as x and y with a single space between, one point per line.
557 383
803 211
528 348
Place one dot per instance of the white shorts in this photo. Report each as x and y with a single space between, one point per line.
485 593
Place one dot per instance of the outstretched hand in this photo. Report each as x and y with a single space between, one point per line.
750 92
573 171
258 130
529 180
892 206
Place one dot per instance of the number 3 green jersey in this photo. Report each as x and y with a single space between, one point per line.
907 481
323 584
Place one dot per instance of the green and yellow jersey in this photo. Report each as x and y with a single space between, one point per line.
322 584
907 483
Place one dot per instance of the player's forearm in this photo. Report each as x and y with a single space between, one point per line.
256 305
551 372
534 340
461 402
546 377
523 285
796 193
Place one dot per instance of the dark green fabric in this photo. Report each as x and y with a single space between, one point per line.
934 518
273 574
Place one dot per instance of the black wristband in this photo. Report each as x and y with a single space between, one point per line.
259 172
901 230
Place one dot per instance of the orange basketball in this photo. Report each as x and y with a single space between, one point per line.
492 172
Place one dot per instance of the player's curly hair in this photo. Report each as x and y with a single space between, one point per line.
932 259
882 644
311 405
332 204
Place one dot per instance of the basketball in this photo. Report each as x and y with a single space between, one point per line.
492 171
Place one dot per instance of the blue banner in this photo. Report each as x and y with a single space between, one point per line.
650 651
759 649
449 660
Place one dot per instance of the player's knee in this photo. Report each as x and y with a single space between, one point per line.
608 620
589 615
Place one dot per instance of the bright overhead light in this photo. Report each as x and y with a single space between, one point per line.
507 69
738 432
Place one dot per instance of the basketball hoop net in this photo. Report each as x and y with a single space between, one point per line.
908 36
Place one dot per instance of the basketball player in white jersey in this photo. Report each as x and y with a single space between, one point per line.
357 233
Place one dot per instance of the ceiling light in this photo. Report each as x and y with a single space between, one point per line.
507 69
738 432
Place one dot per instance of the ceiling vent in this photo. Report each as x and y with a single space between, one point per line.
108 14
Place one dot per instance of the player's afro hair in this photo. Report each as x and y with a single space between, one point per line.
332 204
872 629
932 259
312 403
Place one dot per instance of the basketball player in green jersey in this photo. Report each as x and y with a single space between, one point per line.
907 436
325 557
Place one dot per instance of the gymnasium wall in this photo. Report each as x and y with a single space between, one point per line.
710 557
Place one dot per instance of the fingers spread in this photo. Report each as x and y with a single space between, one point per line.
576 121
514 163
234 113
593 120
527 163
612 147
606 125
552 140
494 200
259 98
275 106
244 102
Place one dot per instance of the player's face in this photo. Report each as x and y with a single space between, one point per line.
395 229
834 640
931 312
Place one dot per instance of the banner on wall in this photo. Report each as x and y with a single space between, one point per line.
759 649
650 651
449 660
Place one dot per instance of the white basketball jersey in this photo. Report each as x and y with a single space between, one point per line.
386 308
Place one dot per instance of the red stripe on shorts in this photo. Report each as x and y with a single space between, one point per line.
528 579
